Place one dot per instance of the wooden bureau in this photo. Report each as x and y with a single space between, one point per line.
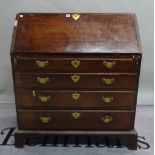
71 69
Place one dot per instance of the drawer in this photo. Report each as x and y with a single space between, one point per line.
76 99
45 64
74 81
75 120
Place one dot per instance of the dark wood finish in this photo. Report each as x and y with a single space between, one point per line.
97 41
61 99
89 80
132 142
19 140
63 120
126 64
92 33
130 137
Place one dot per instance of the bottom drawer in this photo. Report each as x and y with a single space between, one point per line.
75 120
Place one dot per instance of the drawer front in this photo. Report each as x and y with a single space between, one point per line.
76 99
78 64
76 80
75 120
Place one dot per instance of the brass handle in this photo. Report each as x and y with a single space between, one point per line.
75 16
108 81
75 63
107 99
75 96
75 78
76 115
41 64
43 80
106 119
44 98
109 64
45 119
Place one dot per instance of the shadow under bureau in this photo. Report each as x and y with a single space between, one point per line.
76 74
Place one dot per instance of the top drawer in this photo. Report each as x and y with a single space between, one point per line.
82 64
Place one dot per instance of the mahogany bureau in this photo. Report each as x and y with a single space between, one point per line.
76 74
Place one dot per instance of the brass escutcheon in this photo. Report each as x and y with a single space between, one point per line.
106 119
108 81
75 96
45 119
107 99
44 98
41 64
75 16
43 80
76 115
75 78
109 64
75 63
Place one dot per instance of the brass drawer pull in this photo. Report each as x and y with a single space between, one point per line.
41 64
76 115
106 119
107 99
75 63
45 119
44 98
75 96
109 64
108 81
75 78
43 80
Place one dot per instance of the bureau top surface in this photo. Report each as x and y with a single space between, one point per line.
61 33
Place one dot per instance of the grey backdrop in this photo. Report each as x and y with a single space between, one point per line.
142 8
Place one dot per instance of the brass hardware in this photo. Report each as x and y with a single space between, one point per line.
107 99
45 119
43 98
75 63
75 96
108 81
106 119
41 64
75 78
76 115
75 16
109 64
43 80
